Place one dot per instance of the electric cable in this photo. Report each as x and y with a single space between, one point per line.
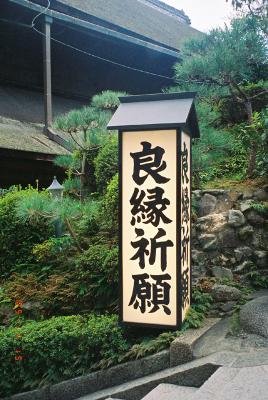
90 54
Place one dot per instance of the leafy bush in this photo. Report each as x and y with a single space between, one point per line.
56 349
106 164
260 207
196 314
17 237
56 295
111 205
51 249
97 272
147 346
257 278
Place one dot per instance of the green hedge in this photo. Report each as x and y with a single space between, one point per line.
17 237
56 349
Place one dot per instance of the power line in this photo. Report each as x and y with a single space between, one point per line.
41 13
179 81
90 54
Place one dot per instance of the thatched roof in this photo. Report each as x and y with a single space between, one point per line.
134 16
26 136
21 121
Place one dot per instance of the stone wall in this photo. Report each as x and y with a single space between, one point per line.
229 237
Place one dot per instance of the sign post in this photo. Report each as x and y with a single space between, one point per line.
155 134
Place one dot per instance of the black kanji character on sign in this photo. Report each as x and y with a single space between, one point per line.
151 211
150 162
141 294
156 204
185 205
163 249
151 294
185 244
138 208
142 251
141 245
185 167
185 287
161 293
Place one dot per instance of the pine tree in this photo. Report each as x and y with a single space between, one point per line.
87 132
228 58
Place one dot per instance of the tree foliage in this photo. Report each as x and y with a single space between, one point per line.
213 146
257 9
87 134
229 58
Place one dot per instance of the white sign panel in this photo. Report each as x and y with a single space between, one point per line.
153 221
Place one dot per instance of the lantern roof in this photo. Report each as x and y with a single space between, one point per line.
55 185
157 111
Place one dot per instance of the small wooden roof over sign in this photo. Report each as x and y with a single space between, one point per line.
157 111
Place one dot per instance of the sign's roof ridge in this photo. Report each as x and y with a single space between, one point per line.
157 111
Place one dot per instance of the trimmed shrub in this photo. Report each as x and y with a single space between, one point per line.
56 349
17 237
111 204
106 164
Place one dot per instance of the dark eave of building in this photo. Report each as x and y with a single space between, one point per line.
97 28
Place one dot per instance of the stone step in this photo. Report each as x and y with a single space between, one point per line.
167 391
247 383
193 374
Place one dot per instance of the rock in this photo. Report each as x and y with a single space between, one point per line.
214 192
226 201
247 195
226 307
261 258
197 256
198 271
243 268
236 218
261 195
245 205
258 240
208 242
245 232
228 237
221 272
242 252
234 196
223 260
197 194
211 223
207 204
254 218
224 293
254 316
193 233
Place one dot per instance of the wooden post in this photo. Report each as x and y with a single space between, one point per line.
47 72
